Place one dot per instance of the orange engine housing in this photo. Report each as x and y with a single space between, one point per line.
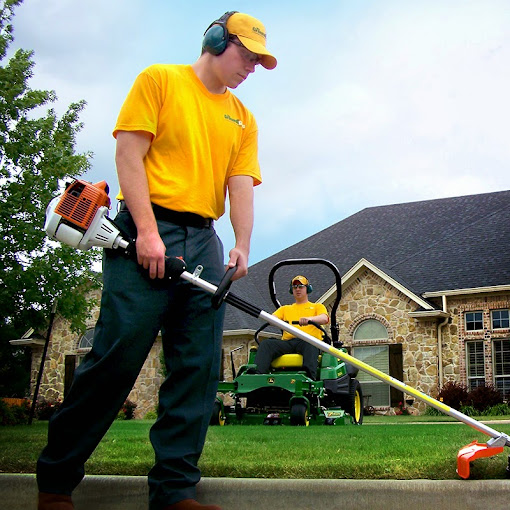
81 200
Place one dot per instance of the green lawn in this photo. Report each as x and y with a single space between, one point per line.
382 448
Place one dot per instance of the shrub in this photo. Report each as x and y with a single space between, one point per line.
6 414
432 411
21 412
497 410
150 415
453 394
401 409
44 409
483 397
14 414
128 409
469 411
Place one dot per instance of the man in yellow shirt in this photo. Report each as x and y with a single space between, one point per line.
299 314
183 141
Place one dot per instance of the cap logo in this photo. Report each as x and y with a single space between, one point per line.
259 32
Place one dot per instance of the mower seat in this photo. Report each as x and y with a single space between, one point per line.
288 361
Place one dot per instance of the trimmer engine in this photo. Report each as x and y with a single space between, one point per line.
79 218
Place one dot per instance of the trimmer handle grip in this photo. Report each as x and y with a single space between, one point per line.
223 288
174 267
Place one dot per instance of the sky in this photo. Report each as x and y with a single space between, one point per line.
373 102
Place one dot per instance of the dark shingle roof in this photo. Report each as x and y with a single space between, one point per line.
431 245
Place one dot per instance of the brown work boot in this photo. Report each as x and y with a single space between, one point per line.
191 504
54 502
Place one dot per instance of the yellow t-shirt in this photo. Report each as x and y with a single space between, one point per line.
199 140
295 311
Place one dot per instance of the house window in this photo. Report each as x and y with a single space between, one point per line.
84 345
474 321
475 364
370 330
385 358
377 356
500 319
86 340
501 352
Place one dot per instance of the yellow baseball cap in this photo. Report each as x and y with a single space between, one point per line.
300 279
252 33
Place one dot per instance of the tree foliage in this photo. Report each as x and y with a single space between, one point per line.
37 156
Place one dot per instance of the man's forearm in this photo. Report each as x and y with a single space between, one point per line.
241 216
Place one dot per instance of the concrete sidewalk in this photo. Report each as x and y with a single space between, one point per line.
18 492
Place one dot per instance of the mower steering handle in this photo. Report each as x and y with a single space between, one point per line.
223 288
318 326
310 321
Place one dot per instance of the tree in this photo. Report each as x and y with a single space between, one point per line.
37 157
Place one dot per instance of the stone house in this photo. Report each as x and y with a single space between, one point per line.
425 298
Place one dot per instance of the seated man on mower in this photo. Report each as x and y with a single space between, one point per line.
301 311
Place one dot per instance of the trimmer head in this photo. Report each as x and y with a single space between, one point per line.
472 451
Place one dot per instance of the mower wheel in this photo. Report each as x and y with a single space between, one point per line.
299 415
217 417
355 406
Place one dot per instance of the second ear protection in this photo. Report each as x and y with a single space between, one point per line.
216 36
309 288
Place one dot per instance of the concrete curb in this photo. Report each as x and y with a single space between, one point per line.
18 492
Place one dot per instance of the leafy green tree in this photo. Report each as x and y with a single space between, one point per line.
37 157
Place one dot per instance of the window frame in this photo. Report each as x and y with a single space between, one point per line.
475 380
373 380
501 319
370 339
81 352
474 321
505 377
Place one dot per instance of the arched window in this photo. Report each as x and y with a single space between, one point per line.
371 329
86 340
376 392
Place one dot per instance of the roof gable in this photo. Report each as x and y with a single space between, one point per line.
425 247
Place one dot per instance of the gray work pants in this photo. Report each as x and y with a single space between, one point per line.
133 310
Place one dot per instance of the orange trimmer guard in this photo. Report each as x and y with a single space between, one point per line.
472 451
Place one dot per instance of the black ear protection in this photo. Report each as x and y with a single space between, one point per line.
216 36
309 288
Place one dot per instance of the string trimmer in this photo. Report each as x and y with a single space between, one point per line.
79 218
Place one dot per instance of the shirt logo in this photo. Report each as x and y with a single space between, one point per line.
235 121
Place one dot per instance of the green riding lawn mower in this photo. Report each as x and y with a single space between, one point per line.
287 395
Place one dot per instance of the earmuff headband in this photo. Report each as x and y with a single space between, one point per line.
216 36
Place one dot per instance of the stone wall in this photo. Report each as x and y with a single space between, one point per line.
370 297
65 342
